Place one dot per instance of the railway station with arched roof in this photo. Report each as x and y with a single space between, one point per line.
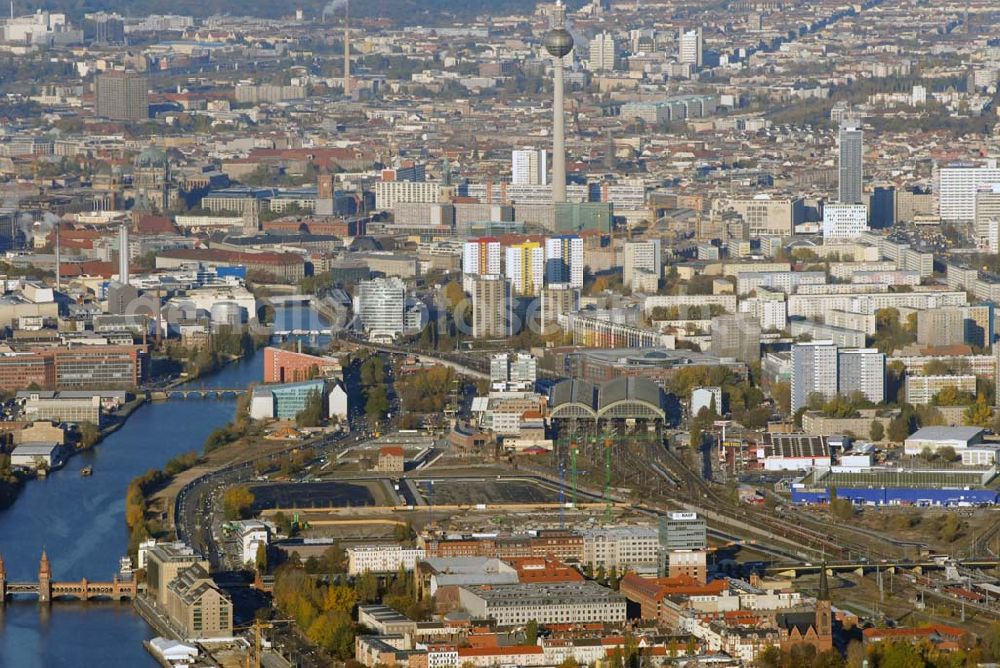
627 398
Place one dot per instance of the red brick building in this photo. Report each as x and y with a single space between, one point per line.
650 592
75 368
286 366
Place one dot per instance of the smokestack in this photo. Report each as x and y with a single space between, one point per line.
123 254
347 49
159 318
58 257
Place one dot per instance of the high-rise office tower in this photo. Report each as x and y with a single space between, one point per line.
814 371
559 43
104 28
691 48
526 267
641 256
529 166
491 313
736 336
603 53
558 299
564 260
380 305
852 170
862 370
123 96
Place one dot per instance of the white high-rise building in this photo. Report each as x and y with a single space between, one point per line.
641 256
513 371
564 260
525 267
844 221
862 370
603 52
691 48
956 187
529 166
380 305
772 313
814 370
987 226
480 257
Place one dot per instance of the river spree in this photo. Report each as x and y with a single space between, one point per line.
80 523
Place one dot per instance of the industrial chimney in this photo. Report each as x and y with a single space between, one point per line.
347 49
123 254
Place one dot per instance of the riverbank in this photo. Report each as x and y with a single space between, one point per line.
10 490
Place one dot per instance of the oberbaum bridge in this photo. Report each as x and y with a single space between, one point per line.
48 591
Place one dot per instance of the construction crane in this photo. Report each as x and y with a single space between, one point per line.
608 444
574 450
257 626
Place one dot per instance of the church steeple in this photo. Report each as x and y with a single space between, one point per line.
824 613
824 586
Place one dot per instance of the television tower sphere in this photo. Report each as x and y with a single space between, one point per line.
558 42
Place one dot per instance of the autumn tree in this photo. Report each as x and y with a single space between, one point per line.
377 404
979 414
782 394
90 434
237 502
366 587
312 414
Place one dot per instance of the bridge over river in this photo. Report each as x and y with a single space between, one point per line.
48 590
167 394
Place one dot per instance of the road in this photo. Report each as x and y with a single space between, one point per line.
198 505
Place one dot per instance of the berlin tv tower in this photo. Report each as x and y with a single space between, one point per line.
558 43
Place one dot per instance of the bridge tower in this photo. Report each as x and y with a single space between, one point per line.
44 579
3 581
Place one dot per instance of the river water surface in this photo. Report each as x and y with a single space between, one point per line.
79 521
